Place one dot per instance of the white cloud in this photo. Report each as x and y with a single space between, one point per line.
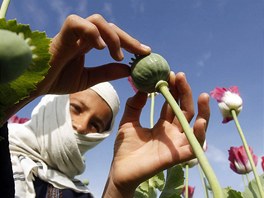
108 11
219 3
61 8
216 155
82 8
204 58
201 62
33 9
138 6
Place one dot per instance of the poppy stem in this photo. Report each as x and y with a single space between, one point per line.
186 181
4 8
162 87
152 97
233 112
203 181
243 178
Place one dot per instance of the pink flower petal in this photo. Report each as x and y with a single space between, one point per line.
234 89
262 162
16 119
239 162
190 191
227 119
228 99
218 93
132 84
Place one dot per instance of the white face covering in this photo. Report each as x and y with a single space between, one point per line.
108 94
49 147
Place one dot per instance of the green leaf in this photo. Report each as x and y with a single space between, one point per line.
158 181
174 183
144 190
230 193
18 89
251 191
148 189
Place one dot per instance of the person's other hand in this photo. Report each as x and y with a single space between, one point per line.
141 152
76 38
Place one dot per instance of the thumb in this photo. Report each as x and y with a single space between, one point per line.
107 72
134 107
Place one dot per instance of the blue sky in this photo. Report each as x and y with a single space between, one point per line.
215 43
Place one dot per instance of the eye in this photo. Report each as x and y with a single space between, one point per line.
76 109
95 127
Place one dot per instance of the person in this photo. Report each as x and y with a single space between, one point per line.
158 148
67 73
47 152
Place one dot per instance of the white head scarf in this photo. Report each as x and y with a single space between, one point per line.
47 145
108 93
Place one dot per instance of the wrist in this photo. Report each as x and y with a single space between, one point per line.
114 190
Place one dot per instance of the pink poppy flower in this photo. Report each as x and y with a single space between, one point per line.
262 162
16 119
190 191
228 99
239 162
132 84
134 87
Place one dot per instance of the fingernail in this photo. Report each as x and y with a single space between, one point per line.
182 73
145 46
120 55
101 42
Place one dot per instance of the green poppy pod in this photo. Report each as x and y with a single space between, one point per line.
15 55
147 71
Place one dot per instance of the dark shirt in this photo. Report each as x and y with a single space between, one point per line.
46 190
7 186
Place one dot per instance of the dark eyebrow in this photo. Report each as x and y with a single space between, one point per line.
97 119
102 126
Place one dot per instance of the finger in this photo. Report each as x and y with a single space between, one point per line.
202 119
184 94
199 129
173 90
107 72
76 29
204 108
129 43
167 112
133 108
109 35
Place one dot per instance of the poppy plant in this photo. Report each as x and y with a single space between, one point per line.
132 84
228 99
239 161
262 162
230 104
16 119
190 191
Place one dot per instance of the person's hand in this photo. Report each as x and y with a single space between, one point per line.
140 152
68 48
77 37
